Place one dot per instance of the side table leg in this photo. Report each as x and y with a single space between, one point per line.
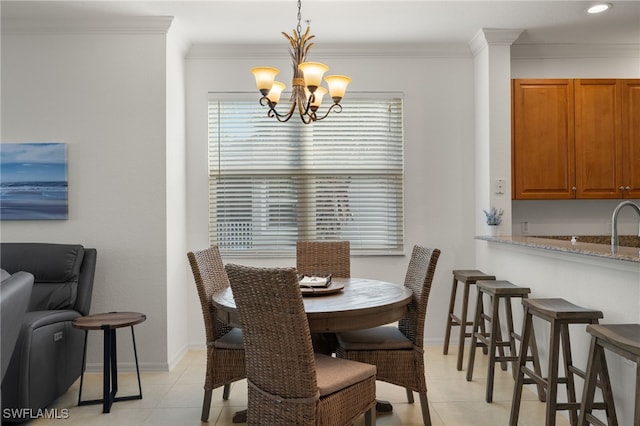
107 398
84 366
135 354
114 365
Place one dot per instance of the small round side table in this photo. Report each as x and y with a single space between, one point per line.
108 323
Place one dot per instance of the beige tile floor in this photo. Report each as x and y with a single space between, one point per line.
174 398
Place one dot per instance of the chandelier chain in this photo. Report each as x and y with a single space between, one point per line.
299 27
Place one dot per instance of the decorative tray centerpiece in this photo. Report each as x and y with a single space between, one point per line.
316 285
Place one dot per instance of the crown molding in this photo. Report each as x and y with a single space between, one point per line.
574 51
368 50
125 25
493 36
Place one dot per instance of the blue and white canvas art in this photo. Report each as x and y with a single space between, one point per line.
33 181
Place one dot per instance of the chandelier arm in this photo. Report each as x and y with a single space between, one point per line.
283 118
303 111
337 107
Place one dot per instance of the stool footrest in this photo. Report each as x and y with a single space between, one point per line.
455 320
484 340
577 372
569 405
534 378
594 420
506 358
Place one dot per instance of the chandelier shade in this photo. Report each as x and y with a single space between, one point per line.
306 91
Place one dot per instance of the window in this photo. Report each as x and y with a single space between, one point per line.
271 183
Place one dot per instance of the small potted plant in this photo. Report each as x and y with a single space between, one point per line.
494 218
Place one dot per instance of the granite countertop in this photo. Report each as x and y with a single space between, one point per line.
583 245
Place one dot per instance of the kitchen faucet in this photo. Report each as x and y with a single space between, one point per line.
614 222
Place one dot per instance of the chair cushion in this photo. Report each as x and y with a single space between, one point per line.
231 340
386 337
334 374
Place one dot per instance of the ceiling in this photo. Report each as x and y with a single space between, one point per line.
361 21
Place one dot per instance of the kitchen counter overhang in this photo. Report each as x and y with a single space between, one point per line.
580 246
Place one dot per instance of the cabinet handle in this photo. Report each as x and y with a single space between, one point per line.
621 188
628 188
574 188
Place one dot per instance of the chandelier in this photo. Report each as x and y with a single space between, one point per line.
306 92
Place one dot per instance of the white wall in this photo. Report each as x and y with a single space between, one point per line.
102 93
438 124
178 288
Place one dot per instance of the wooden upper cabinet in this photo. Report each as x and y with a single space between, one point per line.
575 138
630 136
543 152
599 160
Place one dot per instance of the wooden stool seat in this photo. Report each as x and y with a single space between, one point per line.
622 339
498 290
467 277
561 309
502 288
560 314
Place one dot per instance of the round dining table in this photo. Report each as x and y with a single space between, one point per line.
347 304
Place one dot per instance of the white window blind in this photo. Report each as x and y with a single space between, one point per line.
271 183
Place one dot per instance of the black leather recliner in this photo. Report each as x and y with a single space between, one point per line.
15 292
47 358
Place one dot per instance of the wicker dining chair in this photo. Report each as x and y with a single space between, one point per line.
398 352
288 384
321 258
225 349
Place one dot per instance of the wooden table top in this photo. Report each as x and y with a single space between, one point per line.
109 320
363 303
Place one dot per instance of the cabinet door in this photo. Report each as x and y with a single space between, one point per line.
598 145
630 135
543 152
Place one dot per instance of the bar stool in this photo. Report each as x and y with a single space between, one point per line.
560 314
623 339
467 277
499 290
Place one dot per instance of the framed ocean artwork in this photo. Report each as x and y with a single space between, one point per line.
33 181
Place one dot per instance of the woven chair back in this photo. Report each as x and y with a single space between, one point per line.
278 349
210 276
321 258
419 278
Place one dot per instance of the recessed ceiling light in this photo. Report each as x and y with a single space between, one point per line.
599 8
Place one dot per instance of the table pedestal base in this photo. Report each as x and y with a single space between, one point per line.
240 417
383 406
